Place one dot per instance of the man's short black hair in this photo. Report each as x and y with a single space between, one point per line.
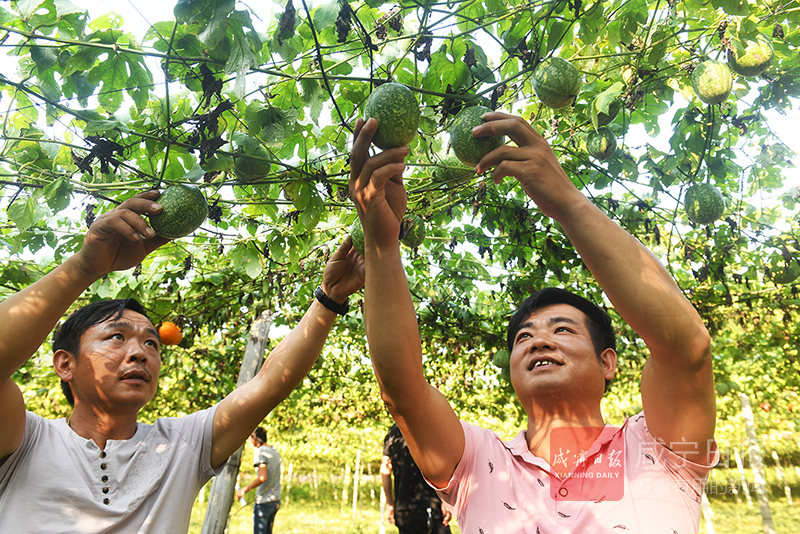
260 434
599 323
68 336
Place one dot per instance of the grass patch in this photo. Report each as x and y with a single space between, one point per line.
311 511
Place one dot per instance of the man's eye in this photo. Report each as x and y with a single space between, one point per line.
523 335
117 336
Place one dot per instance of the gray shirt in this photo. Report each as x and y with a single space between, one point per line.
59 482
269 491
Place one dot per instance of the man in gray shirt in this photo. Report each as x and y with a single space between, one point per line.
267 462
101 470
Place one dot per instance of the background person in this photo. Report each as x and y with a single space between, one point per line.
267 483
411 503
101 470
560 363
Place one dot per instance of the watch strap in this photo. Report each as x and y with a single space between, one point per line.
331 304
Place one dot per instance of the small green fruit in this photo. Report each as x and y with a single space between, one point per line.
357 236
501 358
756 57
468 148
601 144
251 161
505 374
712 81
704 203
218 162
783 272
412 231
397 112
722 388
557 82
184 210
452 171
614 108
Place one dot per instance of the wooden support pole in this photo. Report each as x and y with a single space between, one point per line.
758 466
224 484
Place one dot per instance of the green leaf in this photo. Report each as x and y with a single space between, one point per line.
112 74
139 81
65 7
82 60
24 212
739 8
243 48
44 57
27 8
601 102
248 259
325 15
58 194
557 34
76 85
311 215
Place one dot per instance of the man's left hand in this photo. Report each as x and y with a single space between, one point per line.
344 272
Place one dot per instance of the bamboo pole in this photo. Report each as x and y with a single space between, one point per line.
740 466
734 489
382 521
758 466
345 481
316 485
781 479
356 480
371 485
289 482
708 514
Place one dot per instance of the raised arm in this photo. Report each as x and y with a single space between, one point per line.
117 240
246 407
426 419
677 381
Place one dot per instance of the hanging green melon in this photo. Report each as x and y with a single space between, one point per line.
397 112
704 203
712 81
557 82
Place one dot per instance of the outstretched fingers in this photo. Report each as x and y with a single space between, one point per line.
127 219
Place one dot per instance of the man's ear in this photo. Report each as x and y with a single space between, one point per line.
608 359
64 364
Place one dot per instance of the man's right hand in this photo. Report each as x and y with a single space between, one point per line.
121 238
376 187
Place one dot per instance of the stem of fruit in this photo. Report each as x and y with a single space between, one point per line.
707 145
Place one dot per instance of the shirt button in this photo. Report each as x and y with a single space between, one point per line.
103 466
104 479
105 490
106 501
563 492
102 454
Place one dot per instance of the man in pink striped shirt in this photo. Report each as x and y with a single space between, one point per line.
567 471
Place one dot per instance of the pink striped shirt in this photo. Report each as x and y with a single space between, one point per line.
502 488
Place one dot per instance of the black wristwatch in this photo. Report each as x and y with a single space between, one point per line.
331 304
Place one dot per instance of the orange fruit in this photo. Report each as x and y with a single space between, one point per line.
169 333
